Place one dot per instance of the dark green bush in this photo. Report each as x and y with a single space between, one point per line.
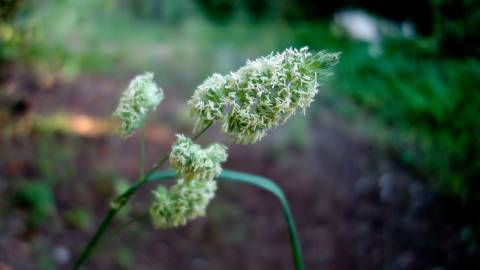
430 109
456 26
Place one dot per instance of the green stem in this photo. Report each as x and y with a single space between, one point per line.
87 251
117 204
269 185
227 175
142 154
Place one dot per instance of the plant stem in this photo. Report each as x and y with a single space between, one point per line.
227 175
142 153
118 203
107 220
269 185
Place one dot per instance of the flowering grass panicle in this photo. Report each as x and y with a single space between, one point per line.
141 97
190 161
190 196
263 94
259 96
185 201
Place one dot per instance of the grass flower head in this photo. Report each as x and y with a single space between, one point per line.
190 161
185 201
141 97
190 196
263 94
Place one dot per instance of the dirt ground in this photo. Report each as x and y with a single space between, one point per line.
355 206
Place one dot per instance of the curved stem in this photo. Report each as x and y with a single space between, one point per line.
226 175
270 186
117 204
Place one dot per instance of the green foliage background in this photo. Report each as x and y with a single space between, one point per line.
420 95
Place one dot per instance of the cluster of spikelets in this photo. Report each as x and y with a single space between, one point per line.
141 97
184 201
261 95
190 196
190 161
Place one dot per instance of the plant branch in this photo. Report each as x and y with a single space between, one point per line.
227 175
117 204
142 153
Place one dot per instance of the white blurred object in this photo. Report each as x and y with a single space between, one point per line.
408 29
61 255
360 25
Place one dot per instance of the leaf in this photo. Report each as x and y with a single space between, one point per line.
260 182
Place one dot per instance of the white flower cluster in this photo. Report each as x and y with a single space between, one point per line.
185 201
190 161
263 94
190 196
141 97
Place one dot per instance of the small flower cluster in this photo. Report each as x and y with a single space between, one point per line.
185 201
141 97
190 161
190 196
263 94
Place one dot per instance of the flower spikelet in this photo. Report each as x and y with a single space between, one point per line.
263 94
190 196
185 201
190 161
208 100
141 97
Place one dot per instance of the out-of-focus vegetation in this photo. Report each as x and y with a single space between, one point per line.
423 102
428 111
419 93
456 27
410 87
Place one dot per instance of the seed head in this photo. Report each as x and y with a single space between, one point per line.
190 161
263 94
185 201
141 97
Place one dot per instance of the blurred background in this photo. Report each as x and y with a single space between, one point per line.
381 173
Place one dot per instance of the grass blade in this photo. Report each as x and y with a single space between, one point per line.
226 175
265 184
270 186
